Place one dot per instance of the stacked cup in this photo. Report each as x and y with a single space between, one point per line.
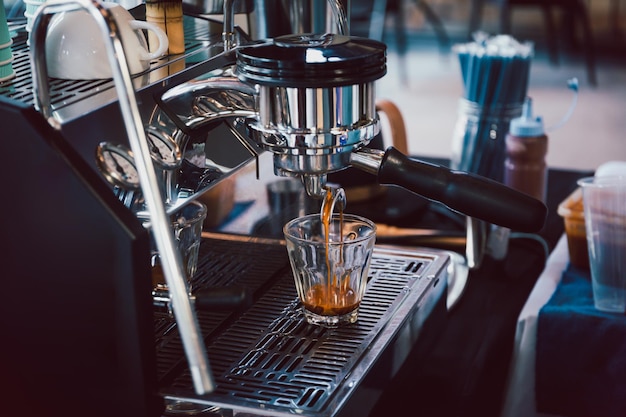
6 53
31 7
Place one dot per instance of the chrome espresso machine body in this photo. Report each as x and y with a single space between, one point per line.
82 335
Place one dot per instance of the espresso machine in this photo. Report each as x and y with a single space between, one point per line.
88 161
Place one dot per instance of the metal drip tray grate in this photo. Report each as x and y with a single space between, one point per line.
268 357
199 35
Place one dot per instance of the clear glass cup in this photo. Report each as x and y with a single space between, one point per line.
330 269
187 228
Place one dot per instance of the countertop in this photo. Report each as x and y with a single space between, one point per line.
464 372
461 369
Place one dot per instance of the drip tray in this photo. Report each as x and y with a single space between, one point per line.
267 360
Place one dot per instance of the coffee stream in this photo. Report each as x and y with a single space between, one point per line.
337 297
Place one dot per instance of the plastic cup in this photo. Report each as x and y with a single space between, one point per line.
31 6
6 52
330 275
7 71
604 201
5 35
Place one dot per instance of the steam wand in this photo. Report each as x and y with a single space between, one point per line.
171 259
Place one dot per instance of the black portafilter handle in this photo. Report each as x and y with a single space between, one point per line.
469 194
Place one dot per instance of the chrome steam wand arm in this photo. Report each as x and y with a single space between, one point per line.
171 259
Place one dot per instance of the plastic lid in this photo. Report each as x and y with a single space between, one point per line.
313 61
527 125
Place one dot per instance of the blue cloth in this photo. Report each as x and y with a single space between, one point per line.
580 366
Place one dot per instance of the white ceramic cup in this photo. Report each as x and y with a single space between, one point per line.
75 47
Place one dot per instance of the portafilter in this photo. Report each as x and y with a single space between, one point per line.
310 100
316 112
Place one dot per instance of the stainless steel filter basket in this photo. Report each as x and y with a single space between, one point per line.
312 137
316 98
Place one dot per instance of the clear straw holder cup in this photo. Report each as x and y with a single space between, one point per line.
479 147
478 142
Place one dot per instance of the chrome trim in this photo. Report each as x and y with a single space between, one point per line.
170 257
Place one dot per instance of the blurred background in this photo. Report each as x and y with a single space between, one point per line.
424 76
